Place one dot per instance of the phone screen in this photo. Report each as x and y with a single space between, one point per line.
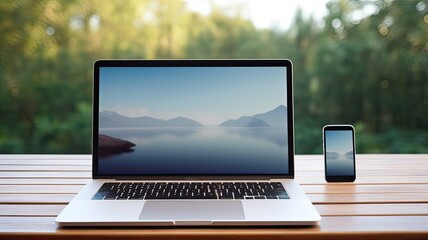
339 152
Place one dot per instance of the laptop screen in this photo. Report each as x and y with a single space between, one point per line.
212 117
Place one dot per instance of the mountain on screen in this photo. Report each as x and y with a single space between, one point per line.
113 119
273 118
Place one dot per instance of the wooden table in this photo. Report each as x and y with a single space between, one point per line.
389 200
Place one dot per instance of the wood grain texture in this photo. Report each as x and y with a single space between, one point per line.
45 168
357 188
52 210
315 198
369 180
388 200
379 197
380 209
43 181
21 189
45 175
31 210
36 198
398 227
331 188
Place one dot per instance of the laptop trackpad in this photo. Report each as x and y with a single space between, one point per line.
192 210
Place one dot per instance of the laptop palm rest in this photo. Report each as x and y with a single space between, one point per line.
182 212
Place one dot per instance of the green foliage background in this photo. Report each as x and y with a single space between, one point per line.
372 73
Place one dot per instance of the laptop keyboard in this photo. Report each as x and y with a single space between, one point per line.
190 190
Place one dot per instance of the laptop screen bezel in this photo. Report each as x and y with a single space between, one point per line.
193 63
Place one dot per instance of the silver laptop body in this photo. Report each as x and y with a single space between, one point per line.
165 131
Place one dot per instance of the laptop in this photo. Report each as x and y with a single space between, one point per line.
192 143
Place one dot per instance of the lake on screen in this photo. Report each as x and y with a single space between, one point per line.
216 150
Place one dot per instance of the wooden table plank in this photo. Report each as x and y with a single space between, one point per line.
45 168
302 180
30 162
307 166
389 200
357 189
389 168
303 157
40 159
369 198
373 209
58 171
303 174
364 158
40 181
52 210
376 180
369 173
21 189
31 210
45 174
34 198
56 157
317 179
329 225
315 198
368 157
327 189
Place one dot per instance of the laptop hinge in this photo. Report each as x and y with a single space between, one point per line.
278 179
204 178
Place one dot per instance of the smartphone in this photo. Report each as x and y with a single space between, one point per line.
339 153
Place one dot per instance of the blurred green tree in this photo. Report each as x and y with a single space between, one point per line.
368 70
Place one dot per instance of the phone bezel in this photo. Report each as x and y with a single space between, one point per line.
339 178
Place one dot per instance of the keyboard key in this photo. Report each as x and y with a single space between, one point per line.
110 198
271 197
283 197
98 197
191 190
